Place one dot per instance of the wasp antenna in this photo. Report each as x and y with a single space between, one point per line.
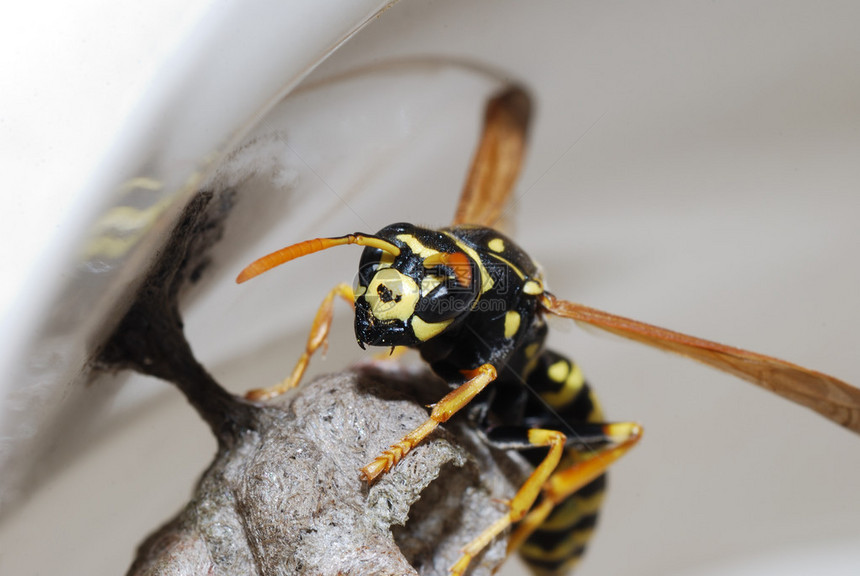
300 249
374 242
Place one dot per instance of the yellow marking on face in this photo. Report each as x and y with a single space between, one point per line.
392 295
512 323
359 290
533 288
428 283
426 330
559 371
496 245
416 246
571 387
486 280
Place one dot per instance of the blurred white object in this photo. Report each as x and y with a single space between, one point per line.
76 276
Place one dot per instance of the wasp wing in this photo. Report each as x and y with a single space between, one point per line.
829 396
497 161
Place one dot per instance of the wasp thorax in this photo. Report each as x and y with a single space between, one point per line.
392 295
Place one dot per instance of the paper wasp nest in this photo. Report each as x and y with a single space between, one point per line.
287 499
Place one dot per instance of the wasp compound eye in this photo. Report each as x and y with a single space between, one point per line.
392 295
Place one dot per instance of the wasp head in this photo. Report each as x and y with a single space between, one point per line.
407 298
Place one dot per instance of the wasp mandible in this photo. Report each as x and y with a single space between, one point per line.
473 304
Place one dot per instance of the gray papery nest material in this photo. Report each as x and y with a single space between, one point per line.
287 499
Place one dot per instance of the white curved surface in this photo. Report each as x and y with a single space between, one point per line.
692 165
231 65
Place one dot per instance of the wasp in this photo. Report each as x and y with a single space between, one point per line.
474 305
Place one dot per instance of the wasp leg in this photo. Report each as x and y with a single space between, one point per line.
555 487
442 411
524 497
317 337
581 437
562 484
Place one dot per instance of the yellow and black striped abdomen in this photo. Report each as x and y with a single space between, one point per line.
556 546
